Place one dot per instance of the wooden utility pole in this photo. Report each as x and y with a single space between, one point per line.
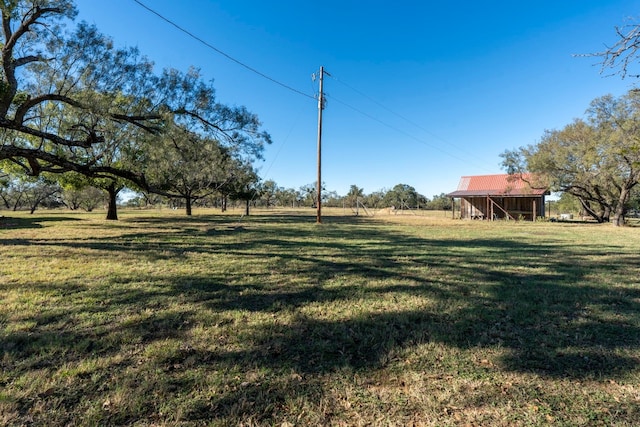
319 185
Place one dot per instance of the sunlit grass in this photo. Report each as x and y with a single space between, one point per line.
271 319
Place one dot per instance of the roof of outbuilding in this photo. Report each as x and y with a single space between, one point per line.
497 185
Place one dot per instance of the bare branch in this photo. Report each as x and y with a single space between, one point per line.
622 54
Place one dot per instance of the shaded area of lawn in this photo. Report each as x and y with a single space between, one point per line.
305 302
8 222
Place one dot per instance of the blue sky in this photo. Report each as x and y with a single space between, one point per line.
420 92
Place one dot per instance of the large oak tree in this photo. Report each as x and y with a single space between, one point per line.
596 159
59 88
71 101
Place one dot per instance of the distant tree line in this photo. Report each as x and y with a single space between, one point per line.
269 194
23 192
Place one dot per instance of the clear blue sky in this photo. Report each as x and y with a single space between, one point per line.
441 88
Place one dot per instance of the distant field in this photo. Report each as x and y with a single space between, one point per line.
160 319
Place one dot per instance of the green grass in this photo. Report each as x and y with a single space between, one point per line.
159 319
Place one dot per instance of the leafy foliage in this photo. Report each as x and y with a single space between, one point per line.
597 160
71 101
402 196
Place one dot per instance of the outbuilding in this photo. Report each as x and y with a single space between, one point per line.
503 196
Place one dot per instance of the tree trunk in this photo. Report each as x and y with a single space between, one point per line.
224 204
246 209
17 203
621 208
618 220
112 207
587 208
6 202
188 202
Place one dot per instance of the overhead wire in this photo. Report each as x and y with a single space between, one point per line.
306 95
226 55
394 128
379 104
284 142
259 73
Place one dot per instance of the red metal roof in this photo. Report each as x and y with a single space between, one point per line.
497 185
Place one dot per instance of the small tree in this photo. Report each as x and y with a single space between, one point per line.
41 190
402 196
185 165
268 192
376 199
286 196
440 202
307 195
245 185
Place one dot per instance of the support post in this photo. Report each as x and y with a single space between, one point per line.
487 209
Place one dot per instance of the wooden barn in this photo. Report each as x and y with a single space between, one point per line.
492 197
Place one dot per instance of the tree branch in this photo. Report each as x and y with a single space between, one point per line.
26 23
60 164
201 119
12 125
26 60
137 121
32 102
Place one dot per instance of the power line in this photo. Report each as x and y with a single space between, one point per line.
397 114
271 79
415 138
210 46
284 142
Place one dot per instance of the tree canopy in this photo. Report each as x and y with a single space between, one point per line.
596 159
402 196
71 101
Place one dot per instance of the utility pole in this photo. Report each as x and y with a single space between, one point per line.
319 185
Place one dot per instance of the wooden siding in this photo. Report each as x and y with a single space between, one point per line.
495 208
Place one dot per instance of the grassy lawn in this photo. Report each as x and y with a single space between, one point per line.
159 319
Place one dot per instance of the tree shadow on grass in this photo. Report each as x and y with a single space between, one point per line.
527 297
543 344
538 302
31 222
533 300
